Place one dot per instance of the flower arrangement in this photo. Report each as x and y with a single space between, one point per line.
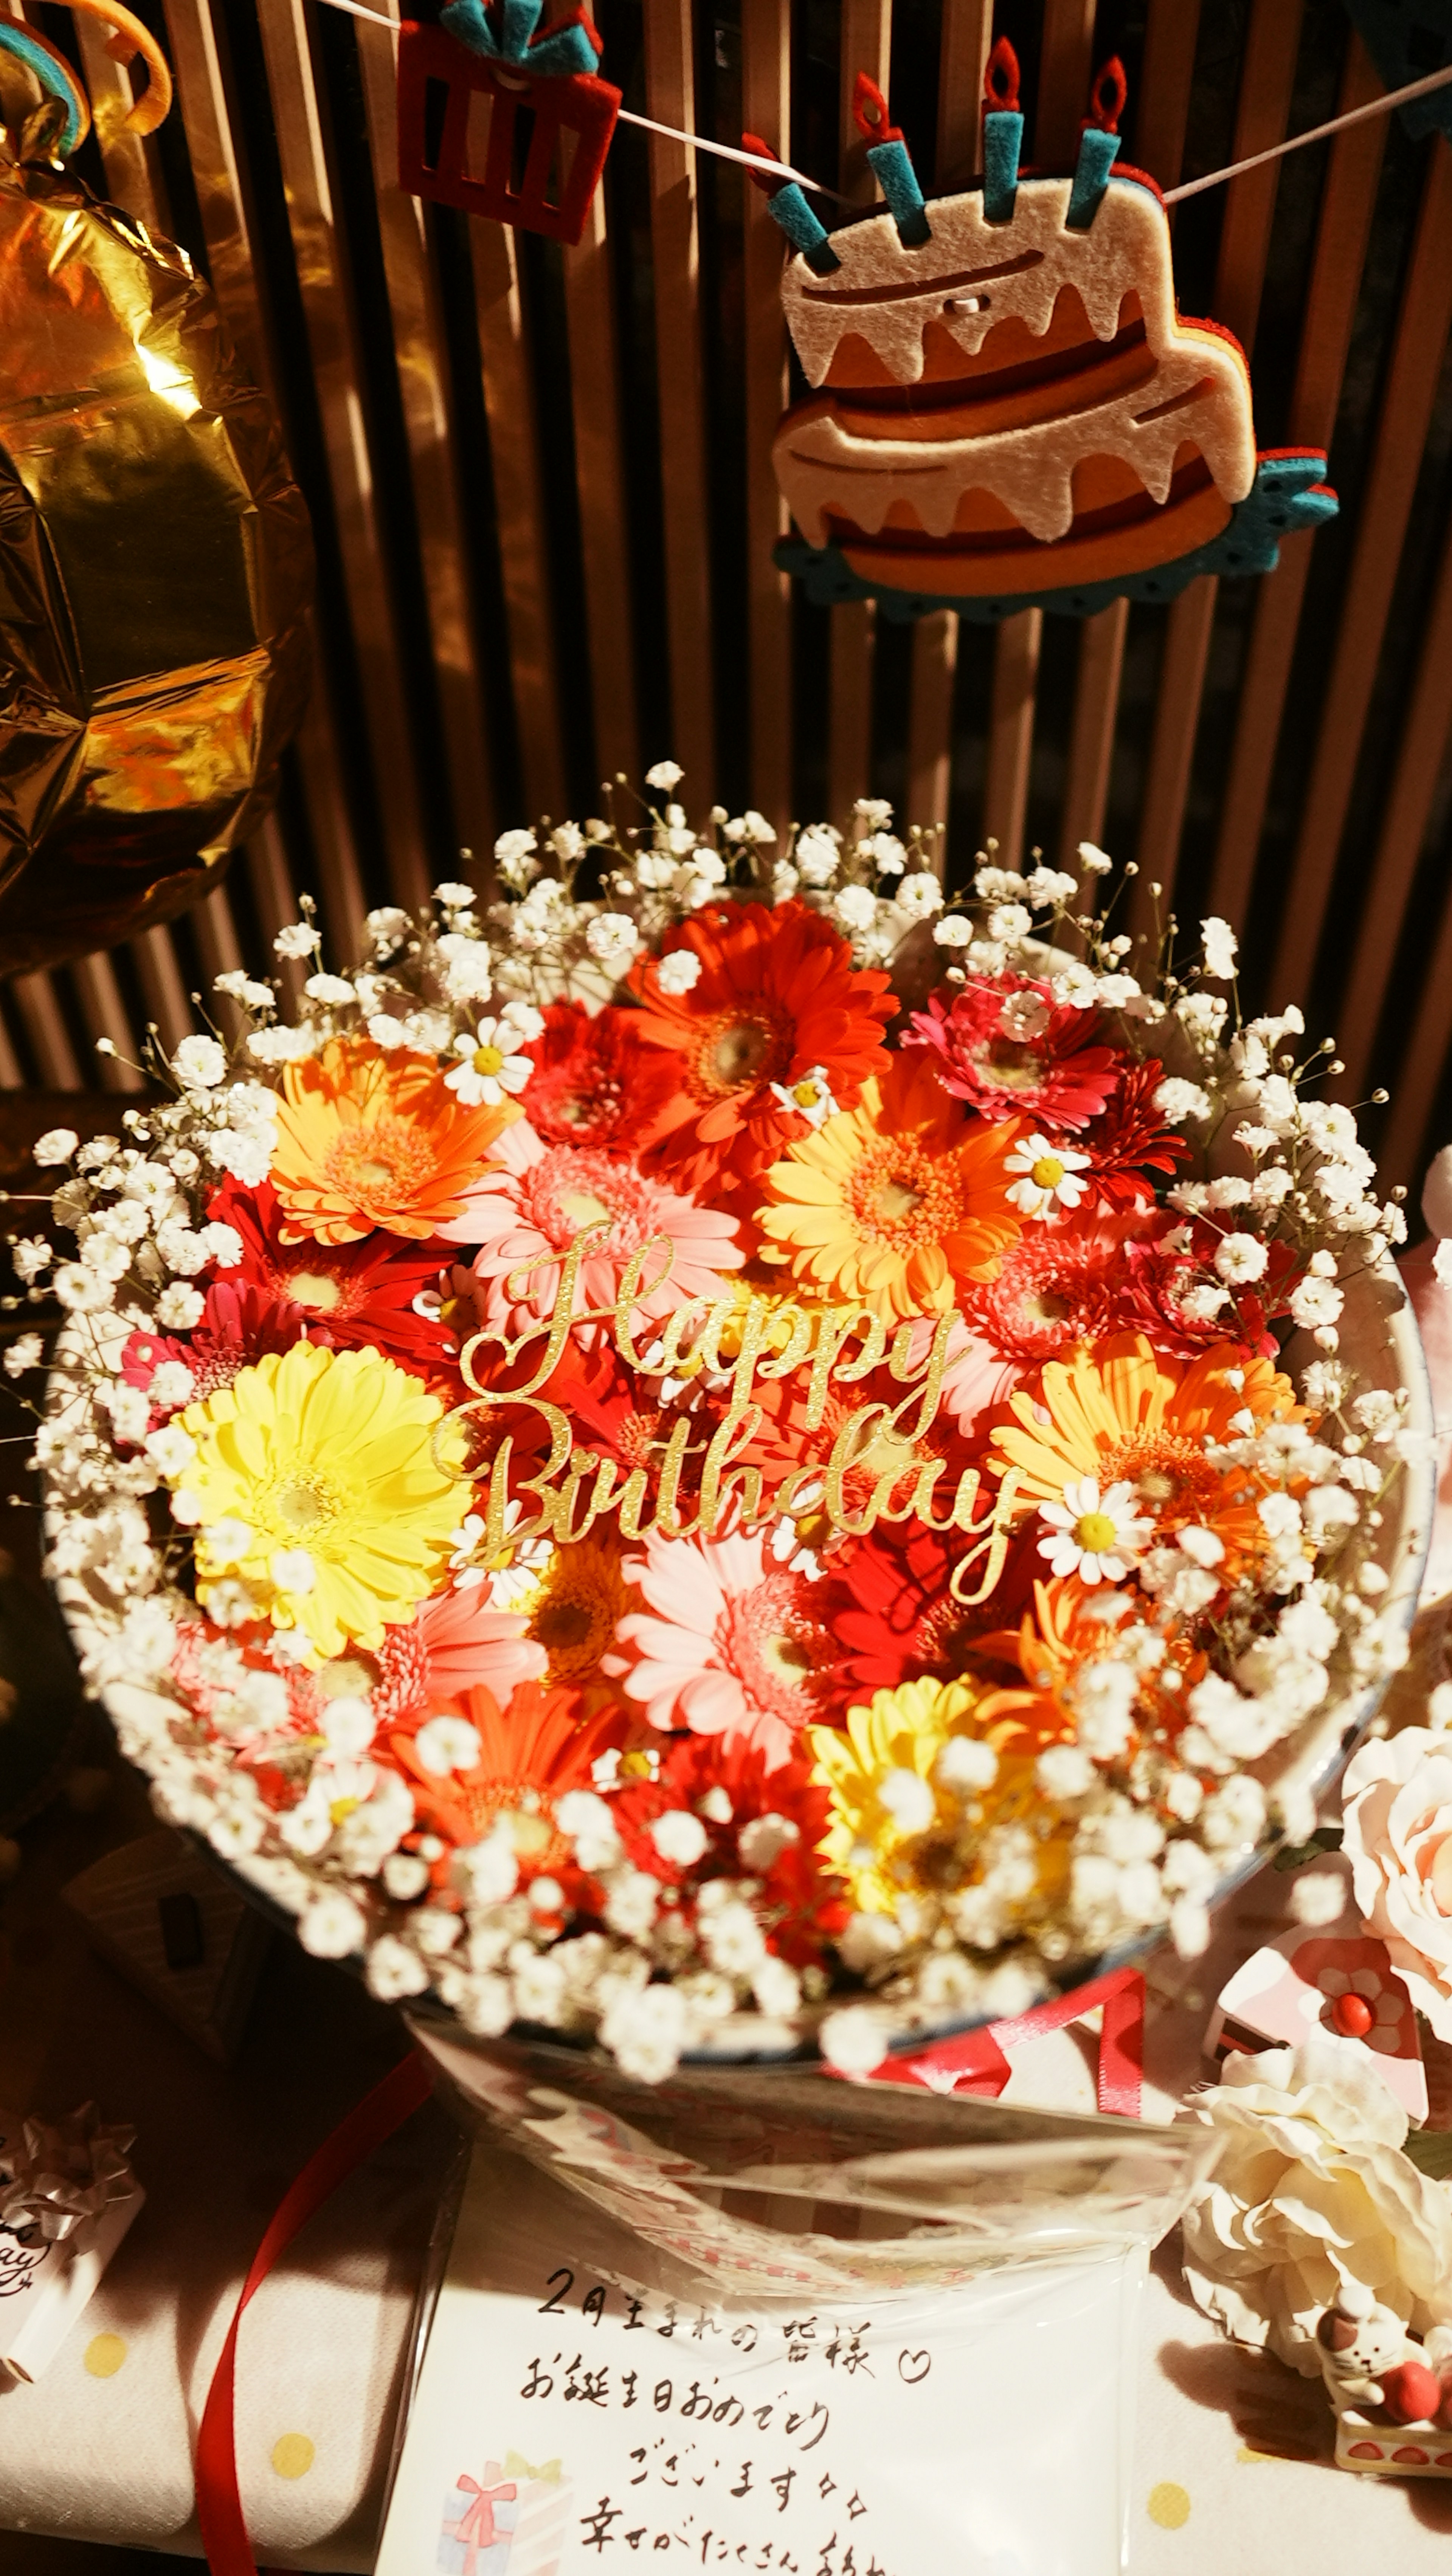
700 1455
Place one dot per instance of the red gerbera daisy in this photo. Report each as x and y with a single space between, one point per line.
613 1412
529 1755
348 1296
594 1083
1129 1139
1007 1046
1176 1297
705 1777
903 1623
776 997
238 1323
1053 1287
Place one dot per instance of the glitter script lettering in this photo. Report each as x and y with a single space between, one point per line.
733 1343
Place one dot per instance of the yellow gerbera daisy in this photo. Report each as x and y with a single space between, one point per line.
577 1599
896 1203
1122 1411
316 1481
889 1837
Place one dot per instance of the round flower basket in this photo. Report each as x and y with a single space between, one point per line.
749 1467
1380 1339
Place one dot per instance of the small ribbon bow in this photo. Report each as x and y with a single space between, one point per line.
548 2474
62 2178
569 48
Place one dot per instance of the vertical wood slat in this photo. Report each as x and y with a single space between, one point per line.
514 452
1091 741
1064 75
766 110
1161 113
1010 733
12 1074
1340 256
1267 80
50 1043
1167 73
221 199
1416 1085
967 34
1386 500
866 47
670 89
167 1004
104 1013
1066 68
421 357
930 723
963 49
597 413
338 381
1420 756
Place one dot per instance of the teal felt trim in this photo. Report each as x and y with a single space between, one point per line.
1406 44
790 209
1002 144
1091 177
1288 494
563 52
898 181
16 40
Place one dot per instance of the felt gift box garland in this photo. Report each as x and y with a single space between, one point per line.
1406 39
497 118
1008 409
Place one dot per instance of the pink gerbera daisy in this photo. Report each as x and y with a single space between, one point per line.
539 1199
457 1642
1052 1288
733 1644
1007 1046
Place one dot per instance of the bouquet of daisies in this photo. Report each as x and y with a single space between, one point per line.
700 1454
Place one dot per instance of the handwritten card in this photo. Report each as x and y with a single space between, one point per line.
566 2422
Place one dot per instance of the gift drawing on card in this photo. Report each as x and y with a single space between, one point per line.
509 2521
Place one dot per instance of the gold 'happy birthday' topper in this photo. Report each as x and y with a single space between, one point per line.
724 1338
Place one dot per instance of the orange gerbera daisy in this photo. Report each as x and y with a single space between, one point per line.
369 1139
529 1755
1065 1630
1121 1411
894 1204
777 998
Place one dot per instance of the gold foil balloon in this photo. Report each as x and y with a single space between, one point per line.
155 573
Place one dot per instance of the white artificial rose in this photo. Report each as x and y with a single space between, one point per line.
1397 1813
1312 2192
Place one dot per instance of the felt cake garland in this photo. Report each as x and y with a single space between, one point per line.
1008 410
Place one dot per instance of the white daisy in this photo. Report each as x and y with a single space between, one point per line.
809 1096
488 1069
1049 1177
1096 1536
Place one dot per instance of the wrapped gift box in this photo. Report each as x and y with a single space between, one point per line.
47 2278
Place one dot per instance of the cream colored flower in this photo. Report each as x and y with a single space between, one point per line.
1397 1812
1311 2192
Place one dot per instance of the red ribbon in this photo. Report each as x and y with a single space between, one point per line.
976 2057
475 2526
219 2506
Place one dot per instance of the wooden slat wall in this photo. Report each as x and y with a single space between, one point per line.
485 633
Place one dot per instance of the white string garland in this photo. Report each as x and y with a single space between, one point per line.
1382 106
